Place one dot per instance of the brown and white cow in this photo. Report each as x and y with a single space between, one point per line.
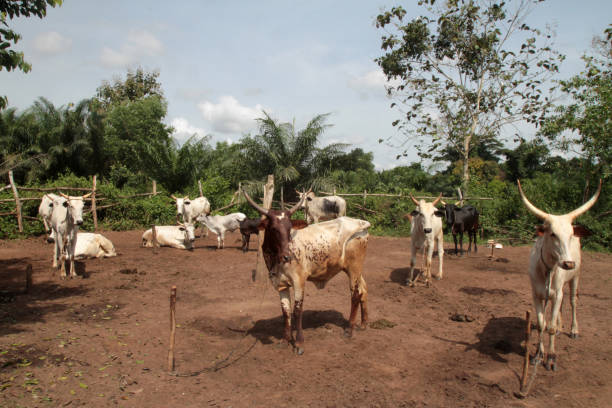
554 261
425 229
316 253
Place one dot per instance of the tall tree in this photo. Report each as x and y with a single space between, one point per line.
292 155
459 77
584 125
9 9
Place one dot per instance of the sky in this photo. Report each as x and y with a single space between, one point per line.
221 63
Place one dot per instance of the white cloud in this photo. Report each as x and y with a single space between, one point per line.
183 130
52 43
228 116
138 44
370 83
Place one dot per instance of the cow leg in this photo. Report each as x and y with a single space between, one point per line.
218 241
552 330
410 277
461 242
298 309
573 299
440 254
475 232
285 300
71 248
55 253
455 240
222 239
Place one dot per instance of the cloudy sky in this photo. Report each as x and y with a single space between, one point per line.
222 62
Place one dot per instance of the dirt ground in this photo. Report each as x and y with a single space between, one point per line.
103 340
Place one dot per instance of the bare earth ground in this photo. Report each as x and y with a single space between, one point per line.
103 340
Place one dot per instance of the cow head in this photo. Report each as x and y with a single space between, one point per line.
189 230
305 197
277 225
449 212
424 214
182 206
72 205
557 231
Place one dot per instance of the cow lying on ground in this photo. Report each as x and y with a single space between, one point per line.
44 210
175 236
90 245
66 217
322 208
554 261
248 226
425 228
220 224
460 220
316 253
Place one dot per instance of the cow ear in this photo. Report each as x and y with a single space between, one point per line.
439 214
65 204
308 198
51 204
540 230
407 217
457 209
182 228
263 224
298 224
581 231
414 213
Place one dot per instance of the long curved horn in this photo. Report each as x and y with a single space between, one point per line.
443 203
298 205
586 206
261 210
173 197
437 199
414 200
65 196
87 195
535 210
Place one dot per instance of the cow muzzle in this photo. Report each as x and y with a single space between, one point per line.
427 230
567 265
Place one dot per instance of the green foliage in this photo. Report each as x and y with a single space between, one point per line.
458 79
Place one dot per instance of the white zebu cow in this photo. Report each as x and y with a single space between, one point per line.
426 227
554 261
44 210
66 217
220 224
175 236
322 208
90 245
191 209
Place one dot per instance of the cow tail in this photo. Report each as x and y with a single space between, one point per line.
360 233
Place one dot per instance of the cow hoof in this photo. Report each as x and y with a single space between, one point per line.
363 326
573 336
437 277
62 278
299 350
348 332
537 359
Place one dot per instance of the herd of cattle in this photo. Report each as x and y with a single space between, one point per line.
296 251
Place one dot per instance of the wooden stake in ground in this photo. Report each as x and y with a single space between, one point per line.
172 328
94 213
17 201
154 187
154 241
200 188
526 361
261 270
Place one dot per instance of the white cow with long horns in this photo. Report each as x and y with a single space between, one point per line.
66 217
554 261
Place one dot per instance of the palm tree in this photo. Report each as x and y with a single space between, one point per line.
293 156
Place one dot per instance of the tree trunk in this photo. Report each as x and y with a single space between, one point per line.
465 178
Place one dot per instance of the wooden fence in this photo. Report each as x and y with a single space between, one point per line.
94 198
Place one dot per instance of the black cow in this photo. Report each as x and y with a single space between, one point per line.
248 226
460 220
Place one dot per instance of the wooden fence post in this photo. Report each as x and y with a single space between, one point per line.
261 270
94 213
154 241
172 328
17 201
200 188
154 187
